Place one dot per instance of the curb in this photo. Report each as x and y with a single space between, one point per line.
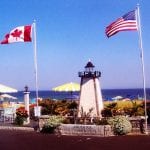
16 128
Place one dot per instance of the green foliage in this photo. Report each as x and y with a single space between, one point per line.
19 120
48 106
102 121
120 124
52 123
69 108
137 109
106 112
110 109
130 108
57 107
48 129
61 107
148 113
112 105
86 114
72 105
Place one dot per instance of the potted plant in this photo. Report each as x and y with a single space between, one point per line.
21 116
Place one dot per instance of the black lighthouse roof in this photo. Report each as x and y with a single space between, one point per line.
89 72
89 65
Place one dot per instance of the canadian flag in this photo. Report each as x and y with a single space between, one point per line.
18 34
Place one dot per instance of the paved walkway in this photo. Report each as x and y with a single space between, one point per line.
16 139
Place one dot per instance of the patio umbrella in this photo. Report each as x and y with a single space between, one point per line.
6 89
7 96
68 87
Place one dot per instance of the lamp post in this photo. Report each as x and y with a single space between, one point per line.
26 102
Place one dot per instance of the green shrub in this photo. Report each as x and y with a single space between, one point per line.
19 120
103 121
106 112
48 129
121 125
52 123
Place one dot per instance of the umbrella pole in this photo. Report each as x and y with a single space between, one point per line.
71 95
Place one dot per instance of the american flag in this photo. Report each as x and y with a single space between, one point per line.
125 23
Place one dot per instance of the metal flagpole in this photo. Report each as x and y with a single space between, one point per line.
35 62
142 62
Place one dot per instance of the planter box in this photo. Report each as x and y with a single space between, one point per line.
42 120
86 130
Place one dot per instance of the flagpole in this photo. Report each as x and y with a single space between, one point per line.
35 62
142 62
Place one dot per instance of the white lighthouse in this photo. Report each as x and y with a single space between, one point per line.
90 102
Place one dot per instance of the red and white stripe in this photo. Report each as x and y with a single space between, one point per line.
121 25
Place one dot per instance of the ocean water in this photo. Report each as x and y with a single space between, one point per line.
107 94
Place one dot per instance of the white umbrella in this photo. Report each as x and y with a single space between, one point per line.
117 98
7 96
6 89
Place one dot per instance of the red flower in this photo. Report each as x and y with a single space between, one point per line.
21 112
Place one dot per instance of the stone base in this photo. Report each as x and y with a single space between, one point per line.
86 130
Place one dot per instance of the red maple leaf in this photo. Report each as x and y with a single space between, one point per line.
16 33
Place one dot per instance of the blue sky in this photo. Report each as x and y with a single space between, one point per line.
69 33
